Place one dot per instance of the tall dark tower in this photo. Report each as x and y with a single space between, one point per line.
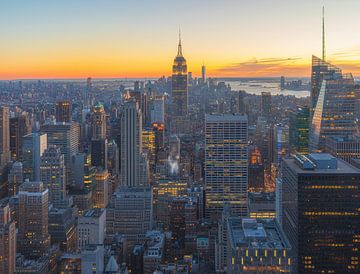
179 93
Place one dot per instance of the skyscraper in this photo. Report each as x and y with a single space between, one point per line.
33 146
281 142
15 178
320 200
131 145
19 127
320 70
53 175
130 213
63 111
98 122
299 130
226 163
7 239
203 74
33 234
66 136
179 92
101 192
157 110
335 110
98 140
4 136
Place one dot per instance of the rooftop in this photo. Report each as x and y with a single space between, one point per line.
225 118
319 163
256 233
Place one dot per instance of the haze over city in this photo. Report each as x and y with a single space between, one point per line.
112 39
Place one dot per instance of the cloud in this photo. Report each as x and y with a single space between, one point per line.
266 67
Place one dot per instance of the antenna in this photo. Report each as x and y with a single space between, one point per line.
323 33
179 46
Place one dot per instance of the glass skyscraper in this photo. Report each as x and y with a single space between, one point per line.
319 71
299 130
335 110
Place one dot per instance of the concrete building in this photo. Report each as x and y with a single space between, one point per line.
91 228
257 246
130 213
33 231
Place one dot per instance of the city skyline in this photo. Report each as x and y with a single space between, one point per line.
138 40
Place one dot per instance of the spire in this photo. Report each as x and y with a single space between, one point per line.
179 46
323 33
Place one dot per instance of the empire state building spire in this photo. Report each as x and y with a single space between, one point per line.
179 46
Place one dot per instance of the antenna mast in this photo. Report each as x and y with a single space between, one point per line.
323 33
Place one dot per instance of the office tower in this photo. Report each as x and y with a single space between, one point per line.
320 70
15 178
149 147
131 146
99 153
157 109
101 191
33 146
113 158
4 136
63 111
256 171
335 110
87 92
159 137
33 234
179 92
345 148
62 228
66 136
91 228
53 174
320 204
130 213
98 122
281 142
257 246
203 74
7 239
226 163
19 127
266 105
299 130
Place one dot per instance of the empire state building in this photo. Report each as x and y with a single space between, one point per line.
179 105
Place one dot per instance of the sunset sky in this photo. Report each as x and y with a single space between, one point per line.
133 38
